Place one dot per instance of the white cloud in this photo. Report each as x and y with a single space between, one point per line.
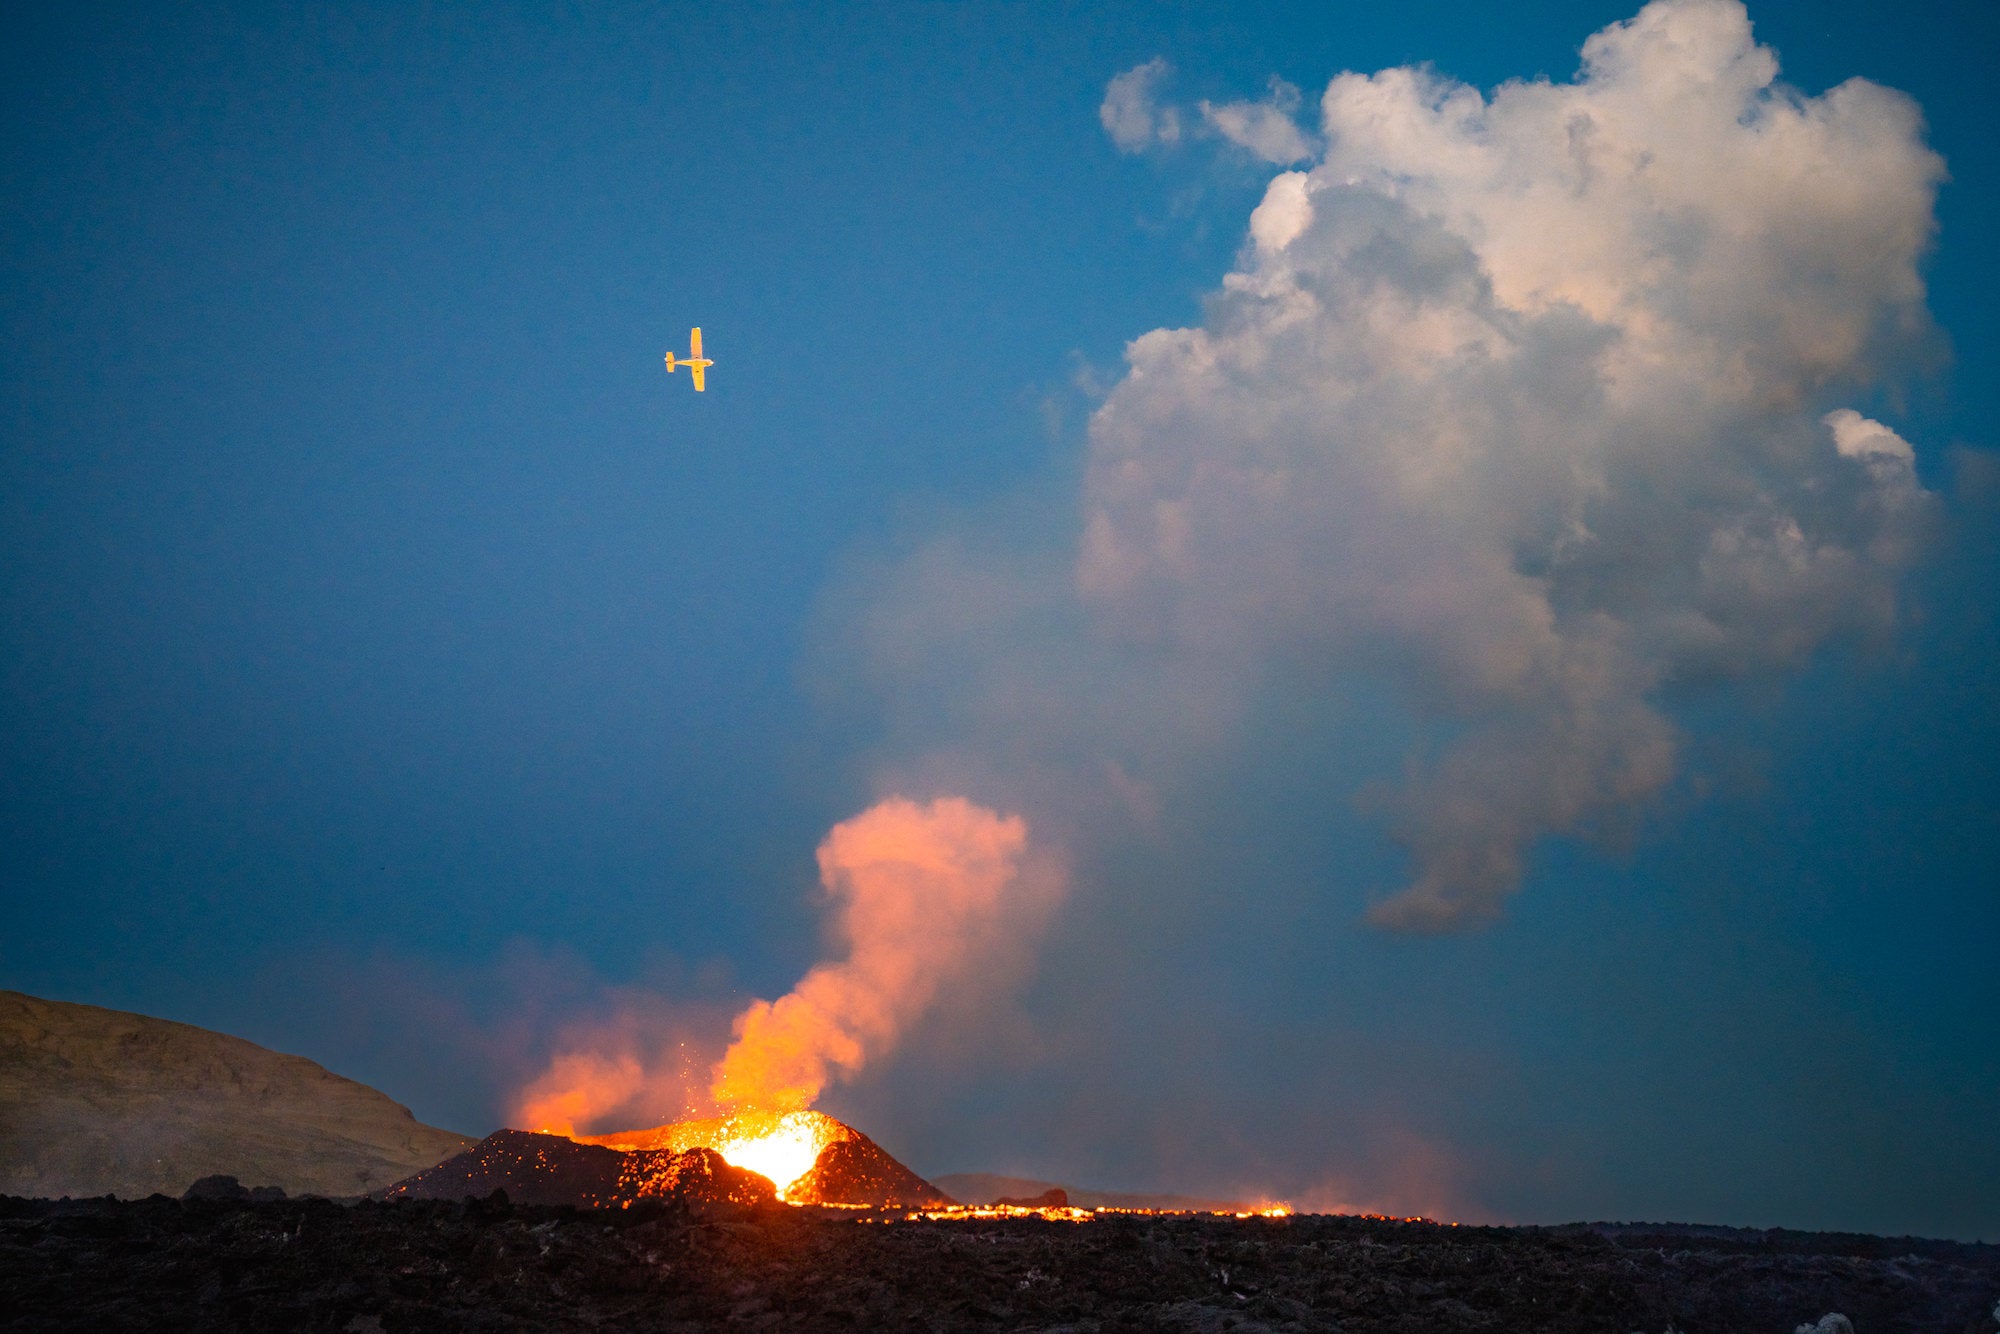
1527 395
1856 437
1132 112
1528 406
1265 128
1285 213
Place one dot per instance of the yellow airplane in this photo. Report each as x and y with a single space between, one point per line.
694 360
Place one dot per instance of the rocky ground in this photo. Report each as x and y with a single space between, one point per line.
102 1265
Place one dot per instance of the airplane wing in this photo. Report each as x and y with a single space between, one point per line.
696 370
694 345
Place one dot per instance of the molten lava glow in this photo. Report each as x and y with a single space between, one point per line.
1063 1213
780 1146
784 1155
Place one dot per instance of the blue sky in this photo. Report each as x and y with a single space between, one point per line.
402 669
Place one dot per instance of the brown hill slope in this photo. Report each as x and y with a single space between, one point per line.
101 1102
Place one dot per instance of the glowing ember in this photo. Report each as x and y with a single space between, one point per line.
780 1146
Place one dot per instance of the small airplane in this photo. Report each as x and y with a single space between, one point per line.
694 360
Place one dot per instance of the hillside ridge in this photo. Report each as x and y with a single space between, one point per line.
95 1101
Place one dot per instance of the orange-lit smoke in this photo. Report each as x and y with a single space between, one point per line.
578 1086
641 1062
922 893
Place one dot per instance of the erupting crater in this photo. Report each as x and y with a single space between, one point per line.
803 1158
781 1146
808 1156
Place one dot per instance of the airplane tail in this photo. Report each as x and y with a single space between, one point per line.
670 361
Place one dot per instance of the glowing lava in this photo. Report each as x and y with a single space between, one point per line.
784 1155
780 1146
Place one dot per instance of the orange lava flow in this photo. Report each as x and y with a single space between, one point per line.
1073 1214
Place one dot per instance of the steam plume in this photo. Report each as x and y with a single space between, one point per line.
924 894
1535 406
1528 398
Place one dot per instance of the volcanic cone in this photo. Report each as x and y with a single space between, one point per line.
857 1171
551 1169
812 1158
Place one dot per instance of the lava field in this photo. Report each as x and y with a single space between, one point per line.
673 1263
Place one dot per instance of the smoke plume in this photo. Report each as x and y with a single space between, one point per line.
925 896
637 1058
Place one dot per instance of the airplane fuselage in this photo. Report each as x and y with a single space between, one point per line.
695 362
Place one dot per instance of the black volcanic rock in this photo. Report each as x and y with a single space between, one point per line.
1055 1197
857 1172
551 1169
102 1265
220 1186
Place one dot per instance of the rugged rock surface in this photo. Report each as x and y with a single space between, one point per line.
552 1170
100 1102
222 1186
101 1266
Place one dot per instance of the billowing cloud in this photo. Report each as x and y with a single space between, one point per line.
1534 404
1527 409
1132 112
